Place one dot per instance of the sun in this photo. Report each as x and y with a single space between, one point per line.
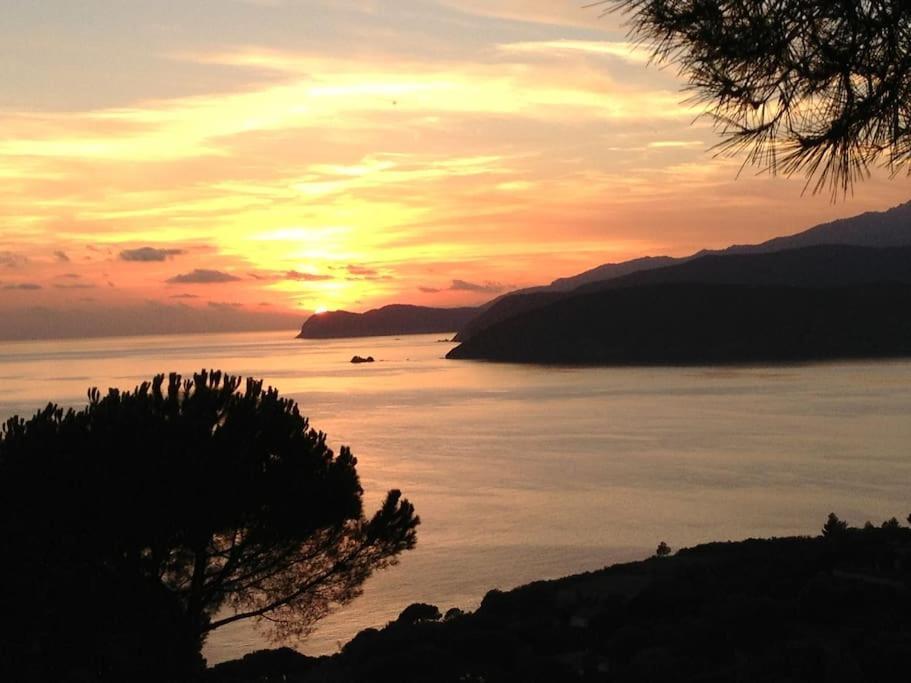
320 310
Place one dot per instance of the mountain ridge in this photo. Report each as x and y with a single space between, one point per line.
889 228
700 324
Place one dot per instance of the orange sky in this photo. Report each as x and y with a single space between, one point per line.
284 155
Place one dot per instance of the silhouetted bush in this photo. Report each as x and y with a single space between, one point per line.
494 602
418 612
834 527
363 644
264 665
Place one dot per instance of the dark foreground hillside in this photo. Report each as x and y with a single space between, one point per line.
693 323
833 608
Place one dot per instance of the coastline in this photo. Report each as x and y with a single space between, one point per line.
760 608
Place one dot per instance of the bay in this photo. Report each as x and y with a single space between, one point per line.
528 472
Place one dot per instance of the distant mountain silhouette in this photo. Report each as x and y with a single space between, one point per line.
566 338
530 298
689 323
507 307
389 320
819 266
891 228
611 270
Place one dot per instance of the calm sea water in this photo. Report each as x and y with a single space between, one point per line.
522 472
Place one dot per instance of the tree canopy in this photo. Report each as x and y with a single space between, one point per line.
821 87
208 495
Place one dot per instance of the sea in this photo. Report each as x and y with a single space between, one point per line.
523 472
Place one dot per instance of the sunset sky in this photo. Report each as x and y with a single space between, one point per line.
285 156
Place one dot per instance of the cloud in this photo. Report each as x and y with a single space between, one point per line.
293 275
675 144
224 305
69 276
184 296
486 288
148 254
24 286
629 52
61 256
202 276
9 259
75 285
547 12
306 277
465 286
362 271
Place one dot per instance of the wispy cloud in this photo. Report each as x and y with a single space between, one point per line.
362 271
9 259
627 51
149 254
203 276
306 277
483 288
676 144
23 286
546 12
